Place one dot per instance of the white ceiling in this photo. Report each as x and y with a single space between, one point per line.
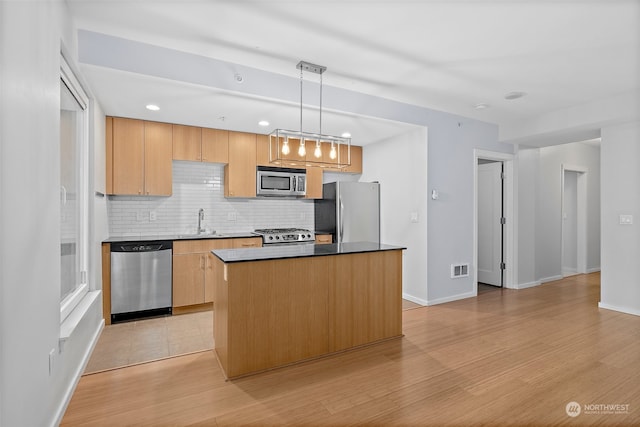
444 55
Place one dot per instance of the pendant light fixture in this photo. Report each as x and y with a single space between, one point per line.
337 148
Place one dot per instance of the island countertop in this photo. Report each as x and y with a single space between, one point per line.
299 251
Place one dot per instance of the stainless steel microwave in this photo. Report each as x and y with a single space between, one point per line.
282 182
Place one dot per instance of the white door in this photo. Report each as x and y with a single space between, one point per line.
570 224
489 223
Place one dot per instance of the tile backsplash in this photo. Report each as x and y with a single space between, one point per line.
200 185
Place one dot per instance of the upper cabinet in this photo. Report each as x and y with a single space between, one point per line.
356 160
240 172
139 155
215 145
200 144
187 141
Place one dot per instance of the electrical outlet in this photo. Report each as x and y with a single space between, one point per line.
231 216
414 216
152 216
139 216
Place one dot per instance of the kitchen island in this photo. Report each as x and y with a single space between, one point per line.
276 306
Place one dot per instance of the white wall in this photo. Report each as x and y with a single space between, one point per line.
400 165
620 283
30 37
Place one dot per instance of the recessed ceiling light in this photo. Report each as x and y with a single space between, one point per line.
514 95
152 107
481 106
263 123
346 135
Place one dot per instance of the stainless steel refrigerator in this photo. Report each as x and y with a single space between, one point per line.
350 211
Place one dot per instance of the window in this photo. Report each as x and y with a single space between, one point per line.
74 212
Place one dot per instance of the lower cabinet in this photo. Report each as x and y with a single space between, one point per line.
193 268
324 239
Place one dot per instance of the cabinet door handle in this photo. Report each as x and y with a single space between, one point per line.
202 262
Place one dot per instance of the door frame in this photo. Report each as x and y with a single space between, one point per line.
508 200
581 215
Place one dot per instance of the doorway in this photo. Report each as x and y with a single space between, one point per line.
491 220
506 242
574 220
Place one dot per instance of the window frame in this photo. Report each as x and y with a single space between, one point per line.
69 303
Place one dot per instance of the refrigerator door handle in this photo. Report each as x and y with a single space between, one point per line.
341 219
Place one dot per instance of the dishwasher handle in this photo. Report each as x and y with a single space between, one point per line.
151 246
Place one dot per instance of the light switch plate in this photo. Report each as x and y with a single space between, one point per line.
152 216
414 216
626 219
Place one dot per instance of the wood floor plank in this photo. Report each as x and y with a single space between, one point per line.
506 357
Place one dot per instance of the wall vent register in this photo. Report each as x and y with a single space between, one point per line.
459 270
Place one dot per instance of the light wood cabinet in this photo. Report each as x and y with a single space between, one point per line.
200 144
356 160
192 270
262 150
240 172
193 274
215 145
314 183
187 142
157 159
139 157
276 312
324 239
247 242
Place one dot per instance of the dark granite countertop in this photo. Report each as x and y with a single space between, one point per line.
121 239
299 251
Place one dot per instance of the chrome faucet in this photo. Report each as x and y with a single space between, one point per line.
200 219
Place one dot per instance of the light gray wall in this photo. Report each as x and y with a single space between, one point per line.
540 209
620 283
527 193
450 218
549 207
30 37
400 165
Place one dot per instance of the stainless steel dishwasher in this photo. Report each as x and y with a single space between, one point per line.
141 277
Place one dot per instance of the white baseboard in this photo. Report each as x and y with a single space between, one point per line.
567 272
528 285
593 270
451 298
550 279
625 310
414 299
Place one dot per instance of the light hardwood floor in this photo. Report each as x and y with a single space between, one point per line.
504 358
